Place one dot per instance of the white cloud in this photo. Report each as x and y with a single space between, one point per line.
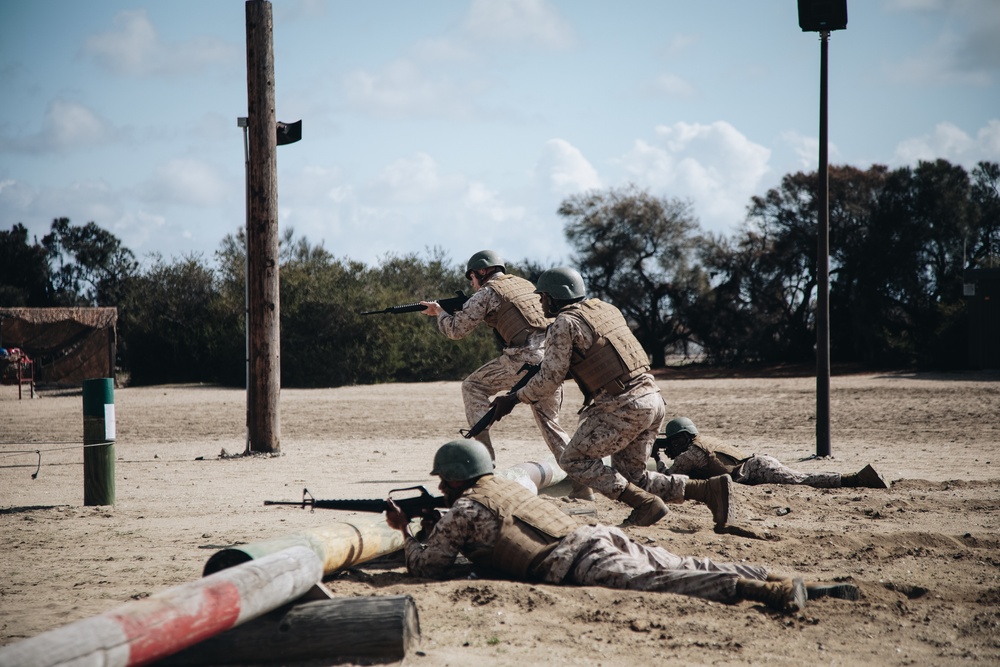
15 199
673 85
411 205
135 49
187 182
66 126
402 90
951 143
563 170
532 22
807 150
414 180
965 52
714 166
485 204
441 50
679 43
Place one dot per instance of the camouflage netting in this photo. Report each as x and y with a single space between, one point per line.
67 345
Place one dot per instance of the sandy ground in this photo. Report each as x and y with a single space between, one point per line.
924 553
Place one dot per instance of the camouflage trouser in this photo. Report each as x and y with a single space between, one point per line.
498 376
605 556
761 469
624 428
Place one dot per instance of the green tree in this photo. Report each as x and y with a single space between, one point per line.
635 251
92 264
984 237
174 327
24 270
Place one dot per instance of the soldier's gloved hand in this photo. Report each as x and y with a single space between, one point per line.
504 404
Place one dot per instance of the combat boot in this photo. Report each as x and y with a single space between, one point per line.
581 492
714 492
787 595
821 589
825 589
867 477
647 508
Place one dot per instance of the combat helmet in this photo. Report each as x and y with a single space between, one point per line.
680 424
484 259
562 284
460 460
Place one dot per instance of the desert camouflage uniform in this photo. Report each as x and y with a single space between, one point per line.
756 469
589 556
622 427
500 374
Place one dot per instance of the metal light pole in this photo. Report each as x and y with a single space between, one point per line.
823 16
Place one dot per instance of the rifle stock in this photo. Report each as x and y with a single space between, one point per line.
451 305
529 370
412 506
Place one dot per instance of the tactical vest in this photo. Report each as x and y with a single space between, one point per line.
723 458
530 527
616 357
520 311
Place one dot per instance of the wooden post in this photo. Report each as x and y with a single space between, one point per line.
263 417
364 629
99 442
141 632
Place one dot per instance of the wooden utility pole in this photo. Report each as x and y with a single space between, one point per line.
263 322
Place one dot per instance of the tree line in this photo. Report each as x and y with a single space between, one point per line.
900 242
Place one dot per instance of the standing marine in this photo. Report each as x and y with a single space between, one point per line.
507 304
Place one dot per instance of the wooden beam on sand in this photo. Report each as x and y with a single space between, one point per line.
341 545
144 631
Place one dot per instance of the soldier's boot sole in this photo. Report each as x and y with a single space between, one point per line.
817 589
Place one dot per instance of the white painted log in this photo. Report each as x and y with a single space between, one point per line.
143 631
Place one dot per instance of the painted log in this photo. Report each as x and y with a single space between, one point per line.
361 629
143 631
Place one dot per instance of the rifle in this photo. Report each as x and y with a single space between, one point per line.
659 445
451 305
491 415
413 506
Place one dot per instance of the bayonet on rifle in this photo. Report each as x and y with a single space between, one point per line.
451 305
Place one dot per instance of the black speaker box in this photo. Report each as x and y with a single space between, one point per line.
820 15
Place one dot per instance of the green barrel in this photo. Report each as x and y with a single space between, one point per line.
99 441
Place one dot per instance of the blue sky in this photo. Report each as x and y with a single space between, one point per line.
462 124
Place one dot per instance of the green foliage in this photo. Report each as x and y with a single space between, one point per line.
324 339
634 250
92 264
900 243
24 270
174 326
